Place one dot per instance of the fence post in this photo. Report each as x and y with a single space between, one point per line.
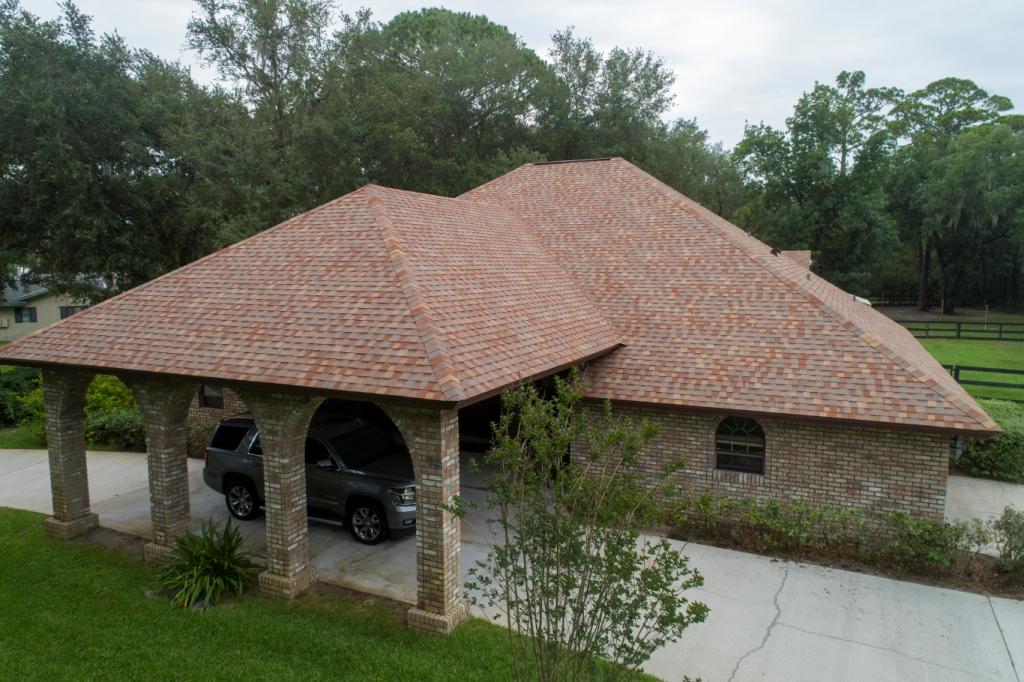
956 373
1000 331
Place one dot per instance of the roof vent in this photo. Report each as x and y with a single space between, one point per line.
858 299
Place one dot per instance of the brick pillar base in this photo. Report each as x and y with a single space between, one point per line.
432 437
282 420
65 530
64 401
164 405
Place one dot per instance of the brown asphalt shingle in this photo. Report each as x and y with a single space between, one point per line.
380 292
711 319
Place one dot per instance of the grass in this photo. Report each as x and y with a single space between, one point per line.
19 438
82 611
22 438
1001 354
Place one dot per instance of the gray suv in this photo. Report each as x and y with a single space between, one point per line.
356 470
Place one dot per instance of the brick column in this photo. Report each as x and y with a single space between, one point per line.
432 436
282 420
64 400
164 405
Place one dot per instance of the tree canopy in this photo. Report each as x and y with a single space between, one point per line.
119 166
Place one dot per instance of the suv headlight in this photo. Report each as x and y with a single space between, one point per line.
404 495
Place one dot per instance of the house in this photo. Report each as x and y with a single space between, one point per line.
770 381
31 307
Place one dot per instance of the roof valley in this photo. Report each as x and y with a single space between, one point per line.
433 341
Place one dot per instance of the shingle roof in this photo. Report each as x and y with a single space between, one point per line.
380 292
712 319
801 258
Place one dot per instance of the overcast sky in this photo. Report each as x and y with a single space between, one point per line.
735 61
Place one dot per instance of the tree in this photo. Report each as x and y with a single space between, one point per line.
276 50
820 185
684 158
930 119
438 97
570 569
974 207
602 105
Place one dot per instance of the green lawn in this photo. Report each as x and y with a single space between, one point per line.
19 438
81 611
1001 354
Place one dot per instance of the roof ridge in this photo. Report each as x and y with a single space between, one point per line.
433 341
872 340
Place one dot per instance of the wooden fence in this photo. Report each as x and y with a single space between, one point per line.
957 370
989 331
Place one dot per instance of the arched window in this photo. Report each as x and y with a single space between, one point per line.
739 445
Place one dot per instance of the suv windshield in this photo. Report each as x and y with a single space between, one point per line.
364 445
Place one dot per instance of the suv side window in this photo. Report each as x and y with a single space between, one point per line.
315 452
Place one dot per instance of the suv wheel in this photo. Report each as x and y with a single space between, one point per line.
241 499
368 522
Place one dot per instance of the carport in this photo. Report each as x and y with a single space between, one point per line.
419 304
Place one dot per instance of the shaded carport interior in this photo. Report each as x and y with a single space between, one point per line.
418 304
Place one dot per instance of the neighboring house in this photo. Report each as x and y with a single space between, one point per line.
28 308
767 379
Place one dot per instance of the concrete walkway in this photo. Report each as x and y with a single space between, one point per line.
770 619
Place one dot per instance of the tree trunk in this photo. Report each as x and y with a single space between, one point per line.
948 302
923 271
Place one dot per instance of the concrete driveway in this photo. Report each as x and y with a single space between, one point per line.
770 619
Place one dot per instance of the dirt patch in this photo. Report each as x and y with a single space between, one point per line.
322 594
126 544
980 575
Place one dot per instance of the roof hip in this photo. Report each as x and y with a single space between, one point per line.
433 341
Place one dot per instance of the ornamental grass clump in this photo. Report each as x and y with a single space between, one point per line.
203 567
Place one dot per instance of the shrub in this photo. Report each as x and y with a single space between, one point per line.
120 429
14 384
111 416
921 544
1009 537
893 539
203 567
1001 457
577 581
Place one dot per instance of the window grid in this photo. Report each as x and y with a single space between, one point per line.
739 445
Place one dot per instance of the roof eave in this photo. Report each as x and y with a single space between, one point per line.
972 432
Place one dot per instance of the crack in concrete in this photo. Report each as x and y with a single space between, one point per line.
888 650
1013 665
768 631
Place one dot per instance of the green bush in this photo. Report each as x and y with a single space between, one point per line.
1001 457
120 429
893 539
203 567
1009 536
14 384
111 416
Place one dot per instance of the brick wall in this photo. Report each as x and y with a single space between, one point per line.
205 418
877 469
